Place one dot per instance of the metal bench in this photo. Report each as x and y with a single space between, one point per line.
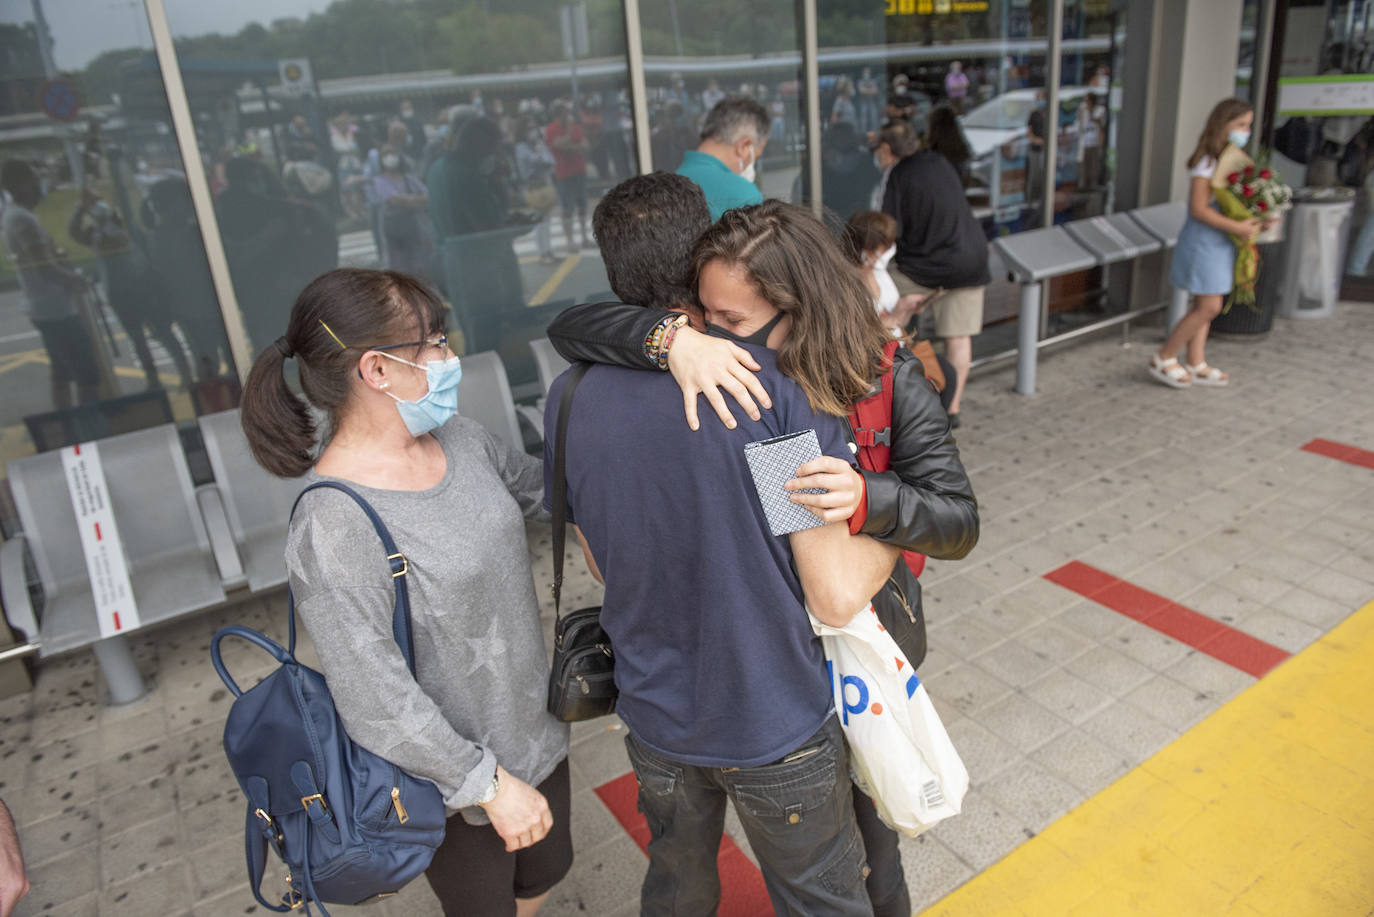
167 550
1033 257
256 504
484 395
548 361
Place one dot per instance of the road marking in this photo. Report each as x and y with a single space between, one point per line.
552 284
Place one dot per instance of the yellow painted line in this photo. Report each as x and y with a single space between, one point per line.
23 359
1264 808
552 284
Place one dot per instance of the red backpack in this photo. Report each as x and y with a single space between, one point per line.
871 421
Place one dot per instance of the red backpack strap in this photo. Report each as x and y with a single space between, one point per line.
871 418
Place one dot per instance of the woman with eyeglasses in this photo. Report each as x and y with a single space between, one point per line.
373 357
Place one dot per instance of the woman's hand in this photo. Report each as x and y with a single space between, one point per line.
1248 229
845 488
704 365
519 812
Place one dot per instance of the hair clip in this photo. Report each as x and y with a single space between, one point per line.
341 344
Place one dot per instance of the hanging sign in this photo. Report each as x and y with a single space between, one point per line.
115 608
1336 94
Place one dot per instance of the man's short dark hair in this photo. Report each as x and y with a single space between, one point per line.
646 227
734 116
900 138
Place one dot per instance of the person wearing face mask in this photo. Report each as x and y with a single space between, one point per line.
406 225
942 254
724 164
722 685
534 165
372 356
1204 261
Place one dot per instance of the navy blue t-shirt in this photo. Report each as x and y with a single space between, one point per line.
715 658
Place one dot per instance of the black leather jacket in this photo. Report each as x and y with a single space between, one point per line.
924 502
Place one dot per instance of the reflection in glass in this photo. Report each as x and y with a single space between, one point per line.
461 141
697 55
108 319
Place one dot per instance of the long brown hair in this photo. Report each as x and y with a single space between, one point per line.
1213 139
835 348
338 317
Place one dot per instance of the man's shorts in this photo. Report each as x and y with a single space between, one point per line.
958 312
572 193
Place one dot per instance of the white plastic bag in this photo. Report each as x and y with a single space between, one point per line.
900 754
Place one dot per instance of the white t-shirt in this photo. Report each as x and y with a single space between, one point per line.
1205 168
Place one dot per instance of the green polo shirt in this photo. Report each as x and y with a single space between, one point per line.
724 189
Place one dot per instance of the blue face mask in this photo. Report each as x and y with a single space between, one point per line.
1239 138
439 404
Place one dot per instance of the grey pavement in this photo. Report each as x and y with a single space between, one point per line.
1202 496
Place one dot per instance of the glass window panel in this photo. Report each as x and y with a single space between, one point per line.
463 141
699 52
906 59
108 317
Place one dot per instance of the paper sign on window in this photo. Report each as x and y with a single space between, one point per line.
115 608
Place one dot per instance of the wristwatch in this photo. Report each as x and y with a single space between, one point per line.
492 789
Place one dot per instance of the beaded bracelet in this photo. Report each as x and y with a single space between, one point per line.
668 342
661 337
654 341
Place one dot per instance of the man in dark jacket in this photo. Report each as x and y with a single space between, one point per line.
924 502
942 253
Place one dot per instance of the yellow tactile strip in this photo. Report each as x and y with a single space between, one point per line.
1266 807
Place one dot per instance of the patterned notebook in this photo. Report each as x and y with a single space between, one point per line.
774 462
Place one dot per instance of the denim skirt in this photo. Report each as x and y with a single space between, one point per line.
1204 260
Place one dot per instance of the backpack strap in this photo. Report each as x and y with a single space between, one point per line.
400 616
871 418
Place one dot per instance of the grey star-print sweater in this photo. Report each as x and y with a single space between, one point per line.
481 670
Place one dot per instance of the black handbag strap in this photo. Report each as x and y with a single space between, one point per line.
560 480
400 616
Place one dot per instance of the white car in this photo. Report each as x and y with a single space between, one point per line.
999 124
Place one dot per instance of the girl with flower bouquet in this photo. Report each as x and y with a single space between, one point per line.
1205 258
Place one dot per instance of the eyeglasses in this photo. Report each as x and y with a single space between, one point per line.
440 341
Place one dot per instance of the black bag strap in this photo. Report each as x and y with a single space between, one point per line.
560 480
400 617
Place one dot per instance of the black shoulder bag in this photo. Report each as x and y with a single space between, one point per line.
582 680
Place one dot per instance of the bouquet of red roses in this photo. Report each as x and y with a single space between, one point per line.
1251 192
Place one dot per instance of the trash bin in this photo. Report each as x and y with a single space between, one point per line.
1316 231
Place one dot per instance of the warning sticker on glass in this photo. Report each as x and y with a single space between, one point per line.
115 608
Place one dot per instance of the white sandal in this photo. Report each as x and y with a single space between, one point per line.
1169 371
1208 375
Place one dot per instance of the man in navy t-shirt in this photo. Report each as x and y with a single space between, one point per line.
722 681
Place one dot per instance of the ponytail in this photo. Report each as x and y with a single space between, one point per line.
338 316
279 426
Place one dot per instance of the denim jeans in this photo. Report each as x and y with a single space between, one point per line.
886 881
797 813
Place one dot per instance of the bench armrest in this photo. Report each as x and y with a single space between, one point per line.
14 589
227 559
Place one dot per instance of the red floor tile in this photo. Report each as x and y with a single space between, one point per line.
1341 452
742 892
1207 635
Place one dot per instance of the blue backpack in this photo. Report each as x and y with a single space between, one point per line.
350 826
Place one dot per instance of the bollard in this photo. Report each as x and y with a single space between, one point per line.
1028 335
121 673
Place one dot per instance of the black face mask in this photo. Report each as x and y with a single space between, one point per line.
758 338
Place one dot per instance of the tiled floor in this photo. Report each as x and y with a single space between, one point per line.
1203 497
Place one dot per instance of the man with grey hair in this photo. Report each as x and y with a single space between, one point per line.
732 140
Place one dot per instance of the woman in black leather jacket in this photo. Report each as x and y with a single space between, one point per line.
924 503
